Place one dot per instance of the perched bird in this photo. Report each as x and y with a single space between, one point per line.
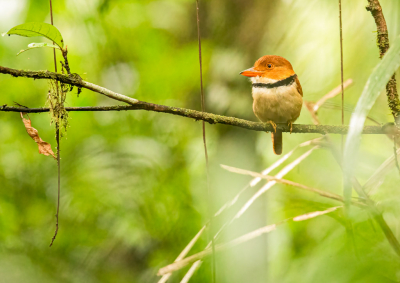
277 94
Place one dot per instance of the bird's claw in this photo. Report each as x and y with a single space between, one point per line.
273 125
290 124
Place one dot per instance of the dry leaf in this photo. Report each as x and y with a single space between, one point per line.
44 147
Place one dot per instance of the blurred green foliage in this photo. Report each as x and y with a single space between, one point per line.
133 183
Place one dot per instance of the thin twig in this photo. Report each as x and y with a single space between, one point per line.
254 182
371 205
209 194
52 23
183 253
191 271
333 93
376 178
313 107
362 193
263 189
270 184
341 64
290 183
395 153
57 140
243 239
347 204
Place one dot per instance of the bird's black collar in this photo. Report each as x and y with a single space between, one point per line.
285 82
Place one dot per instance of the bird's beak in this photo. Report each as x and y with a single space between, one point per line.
251 73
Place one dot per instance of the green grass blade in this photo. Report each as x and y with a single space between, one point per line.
375 84
38 29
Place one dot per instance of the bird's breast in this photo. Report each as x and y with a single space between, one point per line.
279 104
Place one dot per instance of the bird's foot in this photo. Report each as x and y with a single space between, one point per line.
290 124
273 125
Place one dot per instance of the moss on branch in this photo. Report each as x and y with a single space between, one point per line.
75 80
383 44
216 119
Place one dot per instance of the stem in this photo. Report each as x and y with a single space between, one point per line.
57 139
203 109
383 44
59 182
341 62
66 64
396 161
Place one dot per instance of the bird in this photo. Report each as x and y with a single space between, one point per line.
277 94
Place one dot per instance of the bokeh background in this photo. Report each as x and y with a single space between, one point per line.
134 188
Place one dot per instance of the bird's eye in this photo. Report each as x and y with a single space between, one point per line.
269 66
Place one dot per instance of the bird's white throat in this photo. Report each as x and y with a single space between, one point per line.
262 80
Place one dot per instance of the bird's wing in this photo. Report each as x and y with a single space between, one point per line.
299 89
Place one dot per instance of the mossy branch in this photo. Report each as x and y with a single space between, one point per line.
383 44
216 119
75 80
72 80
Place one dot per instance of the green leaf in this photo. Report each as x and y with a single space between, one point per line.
375 84
38 45
38 29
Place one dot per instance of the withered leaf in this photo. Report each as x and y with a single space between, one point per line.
44 147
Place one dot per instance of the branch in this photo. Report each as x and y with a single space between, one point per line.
73 80
76 80
383 44
216 119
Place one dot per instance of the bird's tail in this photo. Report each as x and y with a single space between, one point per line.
277 142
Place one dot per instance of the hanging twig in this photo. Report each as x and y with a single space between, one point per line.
209 194
341 64
57 140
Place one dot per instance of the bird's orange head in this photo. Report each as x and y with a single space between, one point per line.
271 67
